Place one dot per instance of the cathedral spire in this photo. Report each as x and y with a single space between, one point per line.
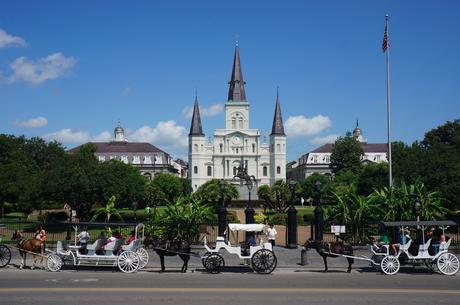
236 91
195 128
277 127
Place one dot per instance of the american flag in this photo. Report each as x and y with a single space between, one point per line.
385 43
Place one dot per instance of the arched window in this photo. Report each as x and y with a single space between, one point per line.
209 171
233 123
265 171
221 146
278 170
241 123
195 169
278 147
253 148
234 171
195 148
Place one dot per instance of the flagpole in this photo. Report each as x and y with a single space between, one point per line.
390 173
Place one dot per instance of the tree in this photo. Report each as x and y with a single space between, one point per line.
277 197
307 187
346 154
373 175
108 211
211 193
168 187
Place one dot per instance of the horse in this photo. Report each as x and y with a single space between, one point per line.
28 246
326 248
169 248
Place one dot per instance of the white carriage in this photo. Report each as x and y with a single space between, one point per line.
447 263
128 258
261 255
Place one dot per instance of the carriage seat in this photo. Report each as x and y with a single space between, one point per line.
424 247
113 249
445 246
96 246
62 246
406 246
133 246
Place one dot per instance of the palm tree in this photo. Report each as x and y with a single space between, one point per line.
109 210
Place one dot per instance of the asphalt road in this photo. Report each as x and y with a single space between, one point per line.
236 285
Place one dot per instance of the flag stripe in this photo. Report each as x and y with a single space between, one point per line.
385 43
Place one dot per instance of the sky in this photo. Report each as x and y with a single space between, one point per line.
69 71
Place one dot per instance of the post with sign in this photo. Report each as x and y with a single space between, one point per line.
337 230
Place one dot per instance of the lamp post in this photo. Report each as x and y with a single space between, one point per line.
291 241
222 212
135 204
318 213
249 211
69 227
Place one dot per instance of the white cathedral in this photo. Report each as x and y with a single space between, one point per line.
237 144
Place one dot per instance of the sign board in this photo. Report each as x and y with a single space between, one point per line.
337 229
74 213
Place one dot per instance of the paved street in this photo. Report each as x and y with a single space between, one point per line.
235 285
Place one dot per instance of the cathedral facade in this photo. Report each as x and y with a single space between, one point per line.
237 144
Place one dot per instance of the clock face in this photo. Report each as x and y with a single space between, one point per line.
236 140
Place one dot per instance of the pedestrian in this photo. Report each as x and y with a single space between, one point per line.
271 232
83 239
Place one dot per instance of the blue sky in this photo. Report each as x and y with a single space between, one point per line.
70 70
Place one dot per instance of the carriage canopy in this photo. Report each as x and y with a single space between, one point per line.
251 227
441 223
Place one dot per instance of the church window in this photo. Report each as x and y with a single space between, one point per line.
195 169
195 148
148 160
234 171
233 123
237 150
124 159
253 148
328 159
221 146
202 147
278 170
136 159
278 147
209 171
315 159
265 171
241 123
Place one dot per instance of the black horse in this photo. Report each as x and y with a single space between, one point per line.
326 248
169 248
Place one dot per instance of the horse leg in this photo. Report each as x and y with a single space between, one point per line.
185 258
23 259
350 261
162 260
325 263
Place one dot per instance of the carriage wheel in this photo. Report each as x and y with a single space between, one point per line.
54 263
448 264
128 261
213 263
264 261
143 257
390 265
5 256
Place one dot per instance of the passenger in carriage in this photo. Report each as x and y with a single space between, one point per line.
384 239
402 240
131 238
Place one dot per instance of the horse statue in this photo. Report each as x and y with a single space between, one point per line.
326 248
169 248
28 246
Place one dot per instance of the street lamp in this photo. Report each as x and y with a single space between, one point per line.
318 213
291 241
222 212
418 207
135 204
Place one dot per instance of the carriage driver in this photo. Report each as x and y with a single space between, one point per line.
40 234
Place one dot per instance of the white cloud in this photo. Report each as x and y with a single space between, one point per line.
298 126
166 134
36 72
7 40
32 123
324 140
69 136
212 110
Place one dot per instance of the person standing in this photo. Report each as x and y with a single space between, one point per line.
271 232
83 239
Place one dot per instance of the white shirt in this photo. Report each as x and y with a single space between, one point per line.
83 237
271 232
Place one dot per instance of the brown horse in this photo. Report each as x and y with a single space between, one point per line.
325 249
169 248
28 246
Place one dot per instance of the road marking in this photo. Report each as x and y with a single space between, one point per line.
239 290
85 280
